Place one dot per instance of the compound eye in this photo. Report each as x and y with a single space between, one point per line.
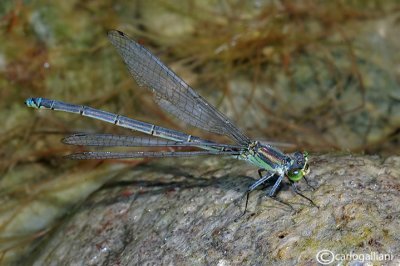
295 175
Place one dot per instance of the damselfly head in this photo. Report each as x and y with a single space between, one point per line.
299 167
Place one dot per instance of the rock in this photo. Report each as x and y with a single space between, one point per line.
188 212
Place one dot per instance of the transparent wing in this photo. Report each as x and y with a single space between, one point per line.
277 144
171 92
111 140
143 154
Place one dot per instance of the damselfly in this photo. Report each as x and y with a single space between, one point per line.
179 99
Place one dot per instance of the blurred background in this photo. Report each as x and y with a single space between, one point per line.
321 75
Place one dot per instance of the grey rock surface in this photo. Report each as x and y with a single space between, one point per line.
174 212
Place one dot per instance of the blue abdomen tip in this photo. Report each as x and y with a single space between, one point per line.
33 102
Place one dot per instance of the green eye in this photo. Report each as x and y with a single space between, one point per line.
295 175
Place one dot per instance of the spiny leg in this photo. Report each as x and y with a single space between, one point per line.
260 172
295 190
256 184
275 187
273 190
247 201
282 202
260 181
308 184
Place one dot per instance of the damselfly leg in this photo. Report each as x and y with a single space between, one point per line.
271 193
308 184
295 190
256 184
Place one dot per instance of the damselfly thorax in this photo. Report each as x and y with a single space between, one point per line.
267 157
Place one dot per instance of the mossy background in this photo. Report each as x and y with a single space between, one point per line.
322 75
